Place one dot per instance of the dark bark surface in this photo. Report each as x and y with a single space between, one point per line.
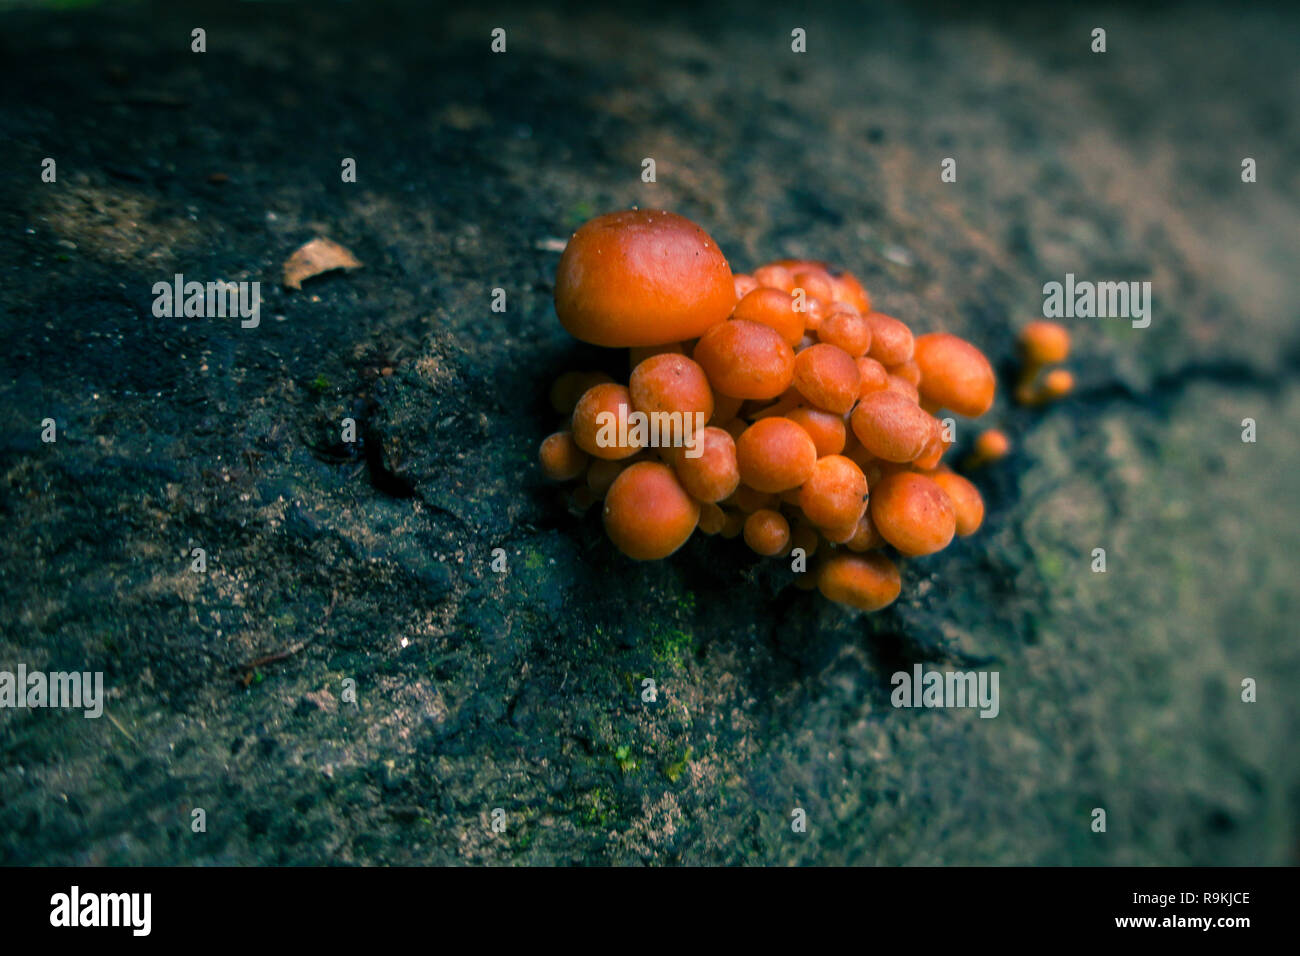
521 691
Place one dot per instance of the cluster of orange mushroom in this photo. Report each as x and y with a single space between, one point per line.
1043 345
819 431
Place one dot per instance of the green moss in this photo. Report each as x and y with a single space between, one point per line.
595 809
674 770
579 213
1051 566
626 762
533 561
320 384
672 645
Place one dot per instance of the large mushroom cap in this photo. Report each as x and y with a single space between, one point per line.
642 277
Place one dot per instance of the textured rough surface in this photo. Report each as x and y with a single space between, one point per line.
522 691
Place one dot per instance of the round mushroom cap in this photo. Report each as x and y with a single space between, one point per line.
992 444
767 532
865 581
561 458
913 513
746 359
1045 343
955 374
967 503
891 426
828 377
642 277
712 474
775 455
648 514
835 494
1058 383
595 421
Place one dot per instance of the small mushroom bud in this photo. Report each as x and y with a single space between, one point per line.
967 503
835 494
774 455
913 513
746 359
868 582
648 514
990 446
562 459
1044 343
891 427
828 377
767 532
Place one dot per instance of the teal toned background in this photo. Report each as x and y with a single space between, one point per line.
521 691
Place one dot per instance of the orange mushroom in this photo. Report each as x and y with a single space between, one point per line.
747 500
744 285
913 513
714 474
775 309
671 383
648 514
816 284
828 377
774 276
825 429
955 374
1057 383
868 582
835 494
746 359
891 427
891 340
847 328
826 413
866 537
990 445
562 459
767 532
849 289
595 419
775 454
642 277
967 503
712 518
1044 343
909 372
872 376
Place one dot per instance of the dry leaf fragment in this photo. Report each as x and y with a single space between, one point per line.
316 257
